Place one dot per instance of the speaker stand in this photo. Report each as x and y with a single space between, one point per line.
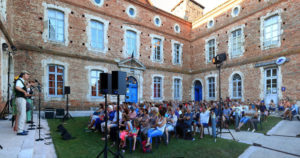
106 149
67 115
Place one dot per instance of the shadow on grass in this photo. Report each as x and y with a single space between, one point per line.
89 144
267 125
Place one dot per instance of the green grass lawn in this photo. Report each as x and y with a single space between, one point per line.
89 144
267 125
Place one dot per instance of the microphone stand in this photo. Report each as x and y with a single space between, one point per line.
39 126
31 125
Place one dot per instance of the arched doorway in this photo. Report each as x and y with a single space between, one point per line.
198 90
132 90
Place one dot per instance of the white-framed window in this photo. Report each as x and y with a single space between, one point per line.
236 86
236 44
177 88
97 34
210 49
157 21
210 23
55 24
131 11
176 52
157 87
236 41
55 80
211 87
271 30
235 11
131 37
157 48
177 28
98 2
132 42
95 83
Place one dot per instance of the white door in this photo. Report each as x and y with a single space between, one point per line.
271 82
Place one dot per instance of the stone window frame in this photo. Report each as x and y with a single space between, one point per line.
207 48
161 48
262 20
135 11
208 23
230 81
162 88
3 10
154 21
89 18
173 42
230 41
138 33
98 5
88 70
180 88
66 12
45 80
177 25
207 87
232 11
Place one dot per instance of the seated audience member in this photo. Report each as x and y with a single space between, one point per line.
272 106
226 116
281 105
96 118
134 132
132 113
287 109
180 124
188 119
293 110
159 127
171 123
204 118
263 110
248 114
144 121
196 119
124 133
110 119
255 119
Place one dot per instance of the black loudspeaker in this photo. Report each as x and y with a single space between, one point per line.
119 82
67 90
105 83
60 113
49 113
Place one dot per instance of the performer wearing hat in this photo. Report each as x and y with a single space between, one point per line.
21 94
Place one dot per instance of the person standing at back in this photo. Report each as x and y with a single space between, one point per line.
21 94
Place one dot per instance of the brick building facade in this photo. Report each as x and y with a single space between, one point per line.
68 43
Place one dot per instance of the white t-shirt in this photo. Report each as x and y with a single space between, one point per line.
19 83
204 117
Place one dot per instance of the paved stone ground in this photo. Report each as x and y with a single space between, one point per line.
26 147
282 143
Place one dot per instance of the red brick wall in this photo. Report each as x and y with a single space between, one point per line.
25 24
